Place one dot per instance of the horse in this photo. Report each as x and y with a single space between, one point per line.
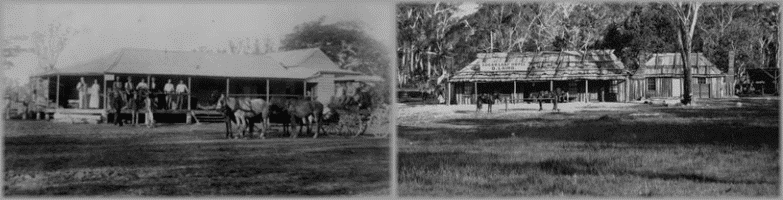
555 96
278 113
244 111
304 109
485 99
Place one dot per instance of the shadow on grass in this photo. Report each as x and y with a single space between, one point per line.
487 164
582 166
480 122
184 163
602 130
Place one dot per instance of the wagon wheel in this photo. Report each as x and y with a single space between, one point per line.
375 121
357 125
363 124
332 129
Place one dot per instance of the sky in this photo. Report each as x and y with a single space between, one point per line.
466 8
184 26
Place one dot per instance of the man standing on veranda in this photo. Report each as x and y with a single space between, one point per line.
130 95
82 88
117 101
169 90
181 90
141 91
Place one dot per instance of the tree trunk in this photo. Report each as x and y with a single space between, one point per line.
685 51
429 63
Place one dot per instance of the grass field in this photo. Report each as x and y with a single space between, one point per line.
714 148
44 158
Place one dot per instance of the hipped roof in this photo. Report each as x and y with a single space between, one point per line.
160 62
312 58
543 66
670 65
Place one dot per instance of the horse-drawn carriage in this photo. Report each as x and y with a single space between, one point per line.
348 116
353 121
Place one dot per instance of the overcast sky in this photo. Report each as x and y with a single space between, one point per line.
186 26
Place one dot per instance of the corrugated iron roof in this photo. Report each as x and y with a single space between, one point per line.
147 61
362 78
292 58
312 58
670 65
542 66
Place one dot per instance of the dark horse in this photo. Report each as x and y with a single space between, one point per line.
543 95
278 113
244 111
303 110
485 99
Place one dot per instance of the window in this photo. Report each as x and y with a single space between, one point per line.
702 80
650 83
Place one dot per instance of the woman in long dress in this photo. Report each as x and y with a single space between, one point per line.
94 91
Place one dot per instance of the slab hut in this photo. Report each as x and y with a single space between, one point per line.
584 75
290 74
662 77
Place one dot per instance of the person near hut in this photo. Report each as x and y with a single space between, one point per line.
117 101
557 94
130 94
81 87
142 86
339 95
142 92
154 93
146 107
496 97
95 91
168 89
181 90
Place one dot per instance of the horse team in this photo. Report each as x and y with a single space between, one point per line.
554 97
244 112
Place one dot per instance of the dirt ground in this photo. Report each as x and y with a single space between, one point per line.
726 147
45 158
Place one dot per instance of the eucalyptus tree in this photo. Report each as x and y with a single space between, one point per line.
685 16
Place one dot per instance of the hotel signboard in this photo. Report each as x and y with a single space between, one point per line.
505 66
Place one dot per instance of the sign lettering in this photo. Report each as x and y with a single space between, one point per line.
510 66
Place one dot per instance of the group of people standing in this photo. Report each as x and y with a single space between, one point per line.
145 96
89 96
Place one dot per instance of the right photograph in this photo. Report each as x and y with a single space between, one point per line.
644 99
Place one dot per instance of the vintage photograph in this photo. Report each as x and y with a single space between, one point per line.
162 99
586 99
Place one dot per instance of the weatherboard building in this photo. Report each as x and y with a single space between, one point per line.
300 74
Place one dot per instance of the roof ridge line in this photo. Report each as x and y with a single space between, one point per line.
117 61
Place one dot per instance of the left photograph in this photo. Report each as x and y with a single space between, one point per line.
257 99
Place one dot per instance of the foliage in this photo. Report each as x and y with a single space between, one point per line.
343 42
243 46
634 30
428 35
686 16
347 44
50 42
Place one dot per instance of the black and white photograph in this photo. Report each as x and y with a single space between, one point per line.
269 99
588 99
